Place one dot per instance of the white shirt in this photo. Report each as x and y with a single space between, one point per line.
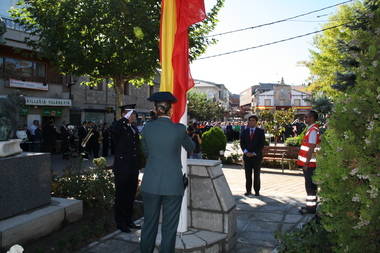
312 135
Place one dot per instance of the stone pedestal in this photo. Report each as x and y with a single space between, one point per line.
25 183
211 204
11 147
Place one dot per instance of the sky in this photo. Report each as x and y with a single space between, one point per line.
269 64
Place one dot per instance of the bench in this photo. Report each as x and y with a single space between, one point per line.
283 154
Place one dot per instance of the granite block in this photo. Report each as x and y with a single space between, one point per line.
25 183
213 249
73 208
198 171
207 220
203 195
210 237
224 193
192 241
215 171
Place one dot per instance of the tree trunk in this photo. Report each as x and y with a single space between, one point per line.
119 95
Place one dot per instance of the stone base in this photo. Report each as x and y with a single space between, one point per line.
39 222
11 147
196 241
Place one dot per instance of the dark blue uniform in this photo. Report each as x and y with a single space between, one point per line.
126 169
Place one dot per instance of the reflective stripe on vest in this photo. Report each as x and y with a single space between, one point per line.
305 147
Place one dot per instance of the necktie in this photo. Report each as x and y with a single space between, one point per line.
251 133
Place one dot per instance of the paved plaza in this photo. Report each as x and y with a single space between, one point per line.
258 218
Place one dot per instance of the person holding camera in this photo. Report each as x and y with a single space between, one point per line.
195 136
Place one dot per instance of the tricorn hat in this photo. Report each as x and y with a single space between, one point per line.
162 96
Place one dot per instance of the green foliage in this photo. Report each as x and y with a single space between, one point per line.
348 165
213 141
95 187
330 58
201 108
295 141
105 39
311 238
274 121
322 104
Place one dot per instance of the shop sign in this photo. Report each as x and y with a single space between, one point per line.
55 112
47 101
13 83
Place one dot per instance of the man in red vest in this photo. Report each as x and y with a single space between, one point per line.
307 160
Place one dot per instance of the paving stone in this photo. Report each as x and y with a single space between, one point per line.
115 246
129 237
244 248
293 218
258 238
287 227
262 216
192 241
210 237
242 221
277 208
261 226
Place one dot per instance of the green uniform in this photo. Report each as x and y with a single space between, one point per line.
162 184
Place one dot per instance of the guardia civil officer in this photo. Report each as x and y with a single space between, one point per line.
126 167
162 184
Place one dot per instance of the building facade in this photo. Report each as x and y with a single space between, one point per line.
214 91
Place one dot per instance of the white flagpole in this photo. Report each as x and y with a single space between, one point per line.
182 225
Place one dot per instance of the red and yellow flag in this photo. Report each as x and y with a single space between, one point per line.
176 17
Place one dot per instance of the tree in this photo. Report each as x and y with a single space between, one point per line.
115 40
275 121
201 108
321 104
332 59
349 161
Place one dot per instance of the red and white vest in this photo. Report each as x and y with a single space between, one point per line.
305 146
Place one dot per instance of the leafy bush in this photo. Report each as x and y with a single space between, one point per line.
311 238
293 141
348 165
213 141
95 187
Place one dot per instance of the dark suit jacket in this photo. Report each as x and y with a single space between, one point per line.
256 144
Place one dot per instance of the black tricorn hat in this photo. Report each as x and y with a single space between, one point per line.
127 107
162 96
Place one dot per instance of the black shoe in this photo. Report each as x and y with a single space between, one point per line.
304 210
257 194
134 226
247 193
124 229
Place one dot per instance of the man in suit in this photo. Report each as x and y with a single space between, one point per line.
126 167
252 141
162 184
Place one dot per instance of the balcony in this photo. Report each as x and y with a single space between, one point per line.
11 24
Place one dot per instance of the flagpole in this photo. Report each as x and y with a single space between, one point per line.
182 225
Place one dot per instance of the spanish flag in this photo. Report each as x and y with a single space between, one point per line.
176 17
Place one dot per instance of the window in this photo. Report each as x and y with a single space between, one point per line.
282 102
297 102
20 69
267 102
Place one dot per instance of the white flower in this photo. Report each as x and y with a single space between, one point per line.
376 116
356 110
344 178
373 193
356 198
16 249
362 176
375 63
346 136
367 141
339 149
370 125
361 223
354 171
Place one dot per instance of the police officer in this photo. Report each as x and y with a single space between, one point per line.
126 167
162 184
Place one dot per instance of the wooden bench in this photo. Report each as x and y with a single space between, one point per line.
281 153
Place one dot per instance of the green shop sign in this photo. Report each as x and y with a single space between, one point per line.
55 112
24 111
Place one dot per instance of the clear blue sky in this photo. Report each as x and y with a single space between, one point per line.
268 64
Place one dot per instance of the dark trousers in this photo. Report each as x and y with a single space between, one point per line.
311 188
252 163
171 207
125 192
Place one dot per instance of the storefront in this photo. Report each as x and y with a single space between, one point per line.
45 109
